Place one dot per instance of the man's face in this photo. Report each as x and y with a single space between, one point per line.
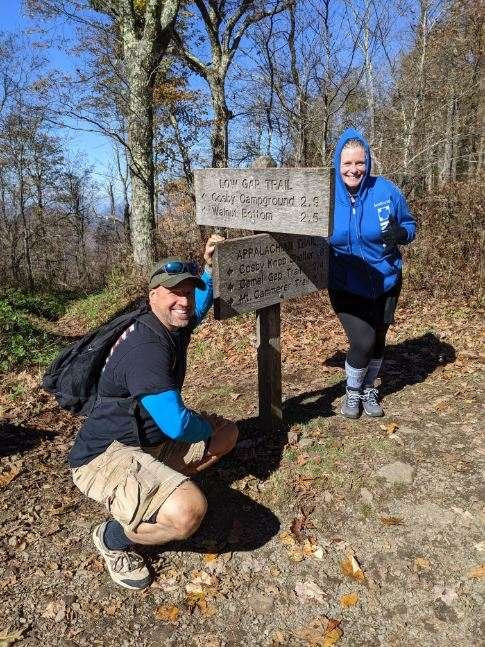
352 166
173 306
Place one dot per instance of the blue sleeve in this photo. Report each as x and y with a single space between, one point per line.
405 218
174 419
203 298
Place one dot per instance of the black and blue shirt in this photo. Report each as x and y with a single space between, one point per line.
139 393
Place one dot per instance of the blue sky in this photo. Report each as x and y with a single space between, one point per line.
93 147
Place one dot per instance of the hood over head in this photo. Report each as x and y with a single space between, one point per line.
340 188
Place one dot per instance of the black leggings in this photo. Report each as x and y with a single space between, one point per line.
366 342
366 322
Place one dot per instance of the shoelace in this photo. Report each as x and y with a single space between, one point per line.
370 396
127 561
353 398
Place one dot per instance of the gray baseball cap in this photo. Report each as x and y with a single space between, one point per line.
171 271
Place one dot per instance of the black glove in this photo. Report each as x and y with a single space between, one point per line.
394 234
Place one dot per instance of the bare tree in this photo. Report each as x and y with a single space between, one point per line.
225 22
143 31
306 69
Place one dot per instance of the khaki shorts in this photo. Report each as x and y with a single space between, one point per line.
133 482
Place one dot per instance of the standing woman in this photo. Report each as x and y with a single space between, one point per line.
371 218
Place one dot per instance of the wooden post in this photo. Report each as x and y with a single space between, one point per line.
268 331
268 341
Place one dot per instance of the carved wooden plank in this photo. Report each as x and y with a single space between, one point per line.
257 271
289 200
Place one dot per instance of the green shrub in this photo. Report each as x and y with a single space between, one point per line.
50 306
22 343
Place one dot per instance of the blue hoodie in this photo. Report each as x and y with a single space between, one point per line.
359 260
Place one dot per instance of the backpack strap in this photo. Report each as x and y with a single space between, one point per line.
152 322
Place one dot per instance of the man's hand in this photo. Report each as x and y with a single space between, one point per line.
394 234
210 247
224 437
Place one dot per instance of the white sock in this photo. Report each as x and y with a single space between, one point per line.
372 372
355 376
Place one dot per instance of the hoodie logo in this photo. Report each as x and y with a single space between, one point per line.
383 214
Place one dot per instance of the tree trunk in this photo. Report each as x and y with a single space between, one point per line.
25 224
140 160
184 153
446 162
219 135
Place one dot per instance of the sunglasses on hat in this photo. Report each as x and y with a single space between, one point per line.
178 267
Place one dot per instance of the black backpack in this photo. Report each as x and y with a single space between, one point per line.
73 377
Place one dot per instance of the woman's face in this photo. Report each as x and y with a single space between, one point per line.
352 166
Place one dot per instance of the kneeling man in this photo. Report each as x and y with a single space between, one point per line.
138 447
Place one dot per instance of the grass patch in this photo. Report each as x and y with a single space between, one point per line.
95 309
48 306
366 510
22 342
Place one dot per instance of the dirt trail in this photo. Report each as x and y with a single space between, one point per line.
366 532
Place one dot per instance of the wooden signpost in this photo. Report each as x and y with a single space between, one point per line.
287 200
256 273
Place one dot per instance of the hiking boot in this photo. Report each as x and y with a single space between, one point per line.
126 567
370 402
351 404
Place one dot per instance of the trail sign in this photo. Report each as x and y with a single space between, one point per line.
288 200
253 272
258 272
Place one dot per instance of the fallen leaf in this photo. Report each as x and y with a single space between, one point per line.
207 640
10 637
478 571
322 633
167 613
302 459
278 638
201 577
8 477
308 547
422 563
318 552
113 608
447 594
297 525
349 600
295 553
390 428
287 539
209 557
333 633
195 591
55 611
392 521
350 567
235 396
308 590
206 609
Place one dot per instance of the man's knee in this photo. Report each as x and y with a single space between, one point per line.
224 439
184 510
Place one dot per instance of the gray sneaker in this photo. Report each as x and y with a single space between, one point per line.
351 404
370 402
126 567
